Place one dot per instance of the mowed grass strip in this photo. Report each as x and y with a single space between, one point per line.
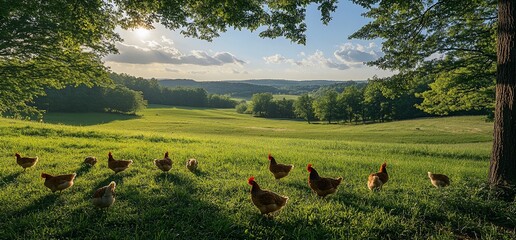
215 202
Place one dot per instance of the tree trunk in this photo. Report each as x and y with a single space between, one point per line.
502 172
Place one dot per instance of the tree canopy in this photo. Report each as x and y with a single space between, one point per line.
445 40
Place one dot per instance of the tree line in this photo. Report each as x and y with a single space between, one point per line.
371 102
126 95
154 93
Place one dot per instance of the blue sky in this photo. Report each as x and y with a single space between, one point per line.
237 55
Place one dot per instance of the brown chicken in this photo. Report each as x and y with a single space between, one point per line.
118 165
322 186
26 162
58 183
105 196
164 164
439 180
191 164
279 170
375 181
266 201
91 161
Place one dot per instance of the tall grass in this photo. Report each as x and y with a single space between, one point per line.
215 202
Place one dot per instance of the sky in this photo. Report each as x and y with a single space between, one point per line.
239 55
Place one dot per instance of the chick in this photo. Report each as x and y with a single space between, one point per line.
90 160
439 180
105 196
191 164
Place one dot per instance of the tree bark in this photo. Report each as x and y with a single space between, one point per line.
502 172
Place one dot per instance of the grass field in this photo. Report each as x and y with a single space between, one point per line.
214 203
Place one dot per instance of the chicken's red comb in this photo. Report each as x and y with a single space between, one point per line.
109 154
309 167
250 180
270 156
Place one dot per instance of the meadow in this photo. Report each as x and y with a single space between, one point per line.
214 202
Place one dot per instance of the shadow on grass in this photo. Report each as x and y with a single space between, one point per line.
85 168
466 215
173 177
9 179
40 204
199 173
86 119
173 211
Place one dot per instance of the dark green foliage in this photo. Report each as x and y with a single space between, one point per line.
326 106
303 107
150 88
122 99
178 96
241 107
261 104
96 99
281 109
350 102
51 44
218 101
191 97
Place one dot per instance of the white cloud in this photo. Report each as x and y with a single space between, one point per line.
348 56
356 54
278 58
167 40
315 60
164 52
318 59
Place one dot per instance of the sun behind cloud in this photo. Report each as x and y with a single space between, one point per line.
141 32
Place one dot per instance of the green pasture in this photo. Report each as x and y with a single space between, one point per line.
214 203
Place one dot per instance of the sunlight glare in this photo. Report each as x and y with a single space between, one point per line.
141 32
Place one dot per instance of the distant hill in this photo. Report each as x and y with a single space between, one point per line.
235 89
246 88
289 83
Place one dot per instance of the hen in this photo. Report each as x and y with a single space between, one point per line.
105 196
439 180
375 181
91 161
58 183
26 162
266 201
164 164
191 164
279 170
322 186
118 165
